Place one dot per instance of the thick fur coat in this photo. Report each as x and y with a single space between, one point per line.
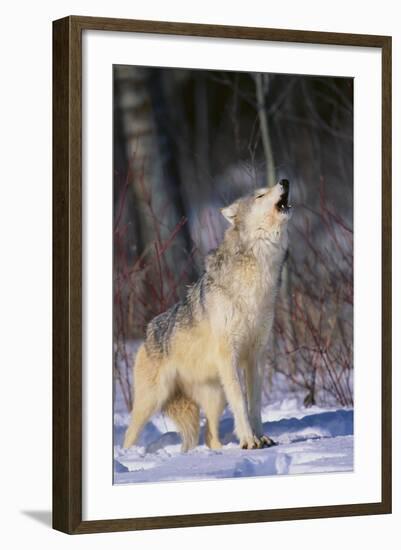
193 353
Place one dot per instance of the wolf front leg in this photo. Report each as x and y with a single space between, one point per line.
254 380
212 400
236 399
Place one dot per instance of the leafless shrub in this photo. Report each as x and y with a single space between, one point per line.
314 328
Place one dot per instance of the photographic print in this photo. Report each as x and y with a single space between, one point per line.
220 195
232 274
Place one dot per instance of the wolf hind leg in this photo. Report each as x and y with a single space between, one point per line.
144 407
185 414
148 395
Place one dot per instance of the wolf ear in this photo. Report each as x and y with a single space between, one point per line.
229 212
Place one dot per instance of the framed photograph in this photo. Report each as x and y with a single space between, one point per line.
222 274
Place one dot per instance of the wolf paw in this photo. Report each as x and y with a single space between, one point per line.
267 441
256 442
215 445
251 442
212 442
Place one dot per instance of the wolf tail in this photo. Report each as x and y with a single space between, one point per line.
185 414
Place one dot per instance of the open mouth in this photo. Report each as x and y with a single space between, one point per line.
282 205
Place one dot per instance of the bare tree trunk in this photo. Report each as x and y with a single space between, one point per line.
202 125
261 84
133 104
170 174
154 177
192 151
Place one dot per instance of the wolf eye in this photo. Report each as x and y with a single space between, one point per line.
260 196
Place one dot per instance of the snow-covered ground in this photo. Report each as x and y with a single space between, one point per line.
309 440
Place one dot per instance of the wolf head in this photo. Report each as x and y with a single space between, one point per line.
263 215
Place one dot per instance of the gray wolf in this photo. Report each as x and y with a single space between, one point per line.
194 352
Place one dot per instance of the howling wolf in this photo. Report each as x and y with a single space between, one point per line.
193 352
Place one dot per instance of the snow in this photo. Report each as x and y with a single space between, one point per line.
310 440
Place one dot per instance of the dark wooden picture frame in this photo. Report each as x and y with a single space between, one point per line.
67 274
